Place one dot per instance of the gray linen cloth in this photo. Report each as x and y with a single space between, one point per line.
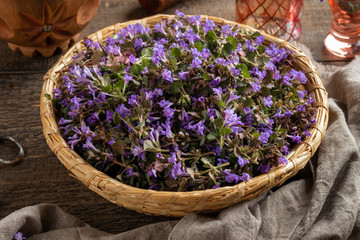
321 202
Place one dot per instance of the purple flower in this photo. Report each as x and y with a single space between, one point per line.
176 170
159 28
89 145
109 116
167 126
277 75
165 104
270 66
235 71
138 43
216 186
167 75
208 25
57 93
199 128
301 76
196 62
130 172
111 142
211 112
259 40
301 94
19 236
250 46
245 177
247 110
133 100
205 53
133 59
159 156
214 83
282 160
267 101
177 25
286 80
220 61
231 118
152 172
179 14
218 91
301 108
233 97
127 79
285 150
242 162
226 30
172 159
255 86
183 75
195 52
122 110
191 36
139 152
145 71
230 177
264 137
64 121
295 138
264 168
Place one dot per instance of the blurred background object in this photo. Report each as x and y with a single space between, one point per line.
155 6
280 18
344 37
35 27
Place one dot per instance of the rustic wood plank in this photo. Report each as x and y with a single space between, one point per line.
41 177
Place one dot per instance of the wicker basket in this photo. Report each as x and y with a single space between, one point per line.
178 204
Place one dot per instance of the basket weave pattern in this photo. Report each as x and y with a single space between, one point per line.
178 204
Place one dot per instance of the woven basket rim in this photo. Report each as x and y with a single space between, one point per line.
273 178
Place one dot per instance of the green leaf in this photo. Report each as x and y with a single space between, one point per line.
175 88
212 136
107 89
244 70
255 34
116 118
206 77
173 62
219 122
198 45
149 145
119 85
265 91
248 102
175 52
145 37
226 131
233 41
147 52
261 49
135 69
211 36
119 147
227 49
48 96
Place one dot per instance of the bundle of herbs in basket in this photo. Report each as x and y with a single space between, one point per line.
188 105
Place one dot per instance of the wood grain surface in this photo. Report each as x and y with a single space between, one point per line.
41 178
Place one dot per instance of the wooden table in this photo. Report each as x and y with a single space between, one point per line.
41 178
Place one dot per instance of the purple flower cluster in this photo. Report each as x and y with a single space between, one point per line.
186 106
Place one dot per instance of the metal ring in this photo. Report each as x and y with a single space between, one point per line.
5 162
